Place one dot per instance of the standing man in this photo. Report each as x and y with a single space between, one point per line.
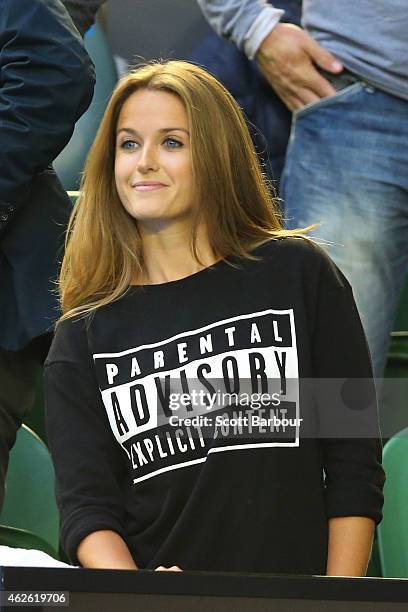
46 83
269 119
345 77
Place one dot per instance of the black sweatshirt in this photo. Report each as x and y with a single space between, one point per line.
241 486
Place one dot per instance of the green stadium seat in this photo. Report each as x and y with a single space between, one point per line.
73 196
29 503
374 566
20 538
393 530
35 419
393 403
401 319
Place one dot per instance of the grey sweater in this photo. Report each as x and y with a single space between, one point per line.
370 37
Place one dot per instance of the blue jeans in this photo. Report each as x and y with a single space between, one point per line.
347 169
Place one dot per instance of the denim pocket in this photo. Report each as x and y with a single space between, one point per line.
340 95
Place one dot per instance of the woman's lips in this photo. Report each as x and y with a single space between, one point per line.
148 186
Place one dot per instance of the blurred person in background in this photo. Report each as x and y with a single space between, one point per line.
46 83
345 77
83 12
268 117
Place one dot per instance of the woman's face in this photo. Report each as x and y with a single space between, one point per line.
153 170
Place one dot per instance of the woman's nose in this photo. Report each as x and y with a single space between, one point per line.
147 161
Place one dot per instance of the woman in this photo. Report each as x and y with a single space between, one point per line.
179 284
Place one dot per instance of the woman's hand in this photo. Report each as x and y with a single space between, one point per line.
173 568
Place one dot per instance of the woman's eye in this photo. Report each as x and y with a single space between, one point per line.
128 145
172 143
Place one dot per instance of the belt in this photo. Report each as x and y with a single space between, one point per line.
340 80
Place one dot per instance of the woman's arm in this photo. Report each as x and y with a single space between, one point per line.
348 424
89 463
105 549
350 542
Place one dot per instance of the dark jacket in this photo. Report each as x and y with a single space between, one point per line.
46 83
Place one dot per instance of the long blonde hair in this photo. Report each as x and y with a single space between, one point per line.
233 197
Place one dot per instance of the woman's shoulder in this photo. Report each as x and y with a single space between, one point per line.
70 340
300 248
303 254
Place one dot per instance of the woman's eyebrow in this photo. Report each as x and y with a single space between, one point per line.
174 129
128 131
162 130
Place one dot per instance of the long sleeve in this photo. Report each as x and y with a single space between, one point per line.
345 393
89 463
47 81
244 22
